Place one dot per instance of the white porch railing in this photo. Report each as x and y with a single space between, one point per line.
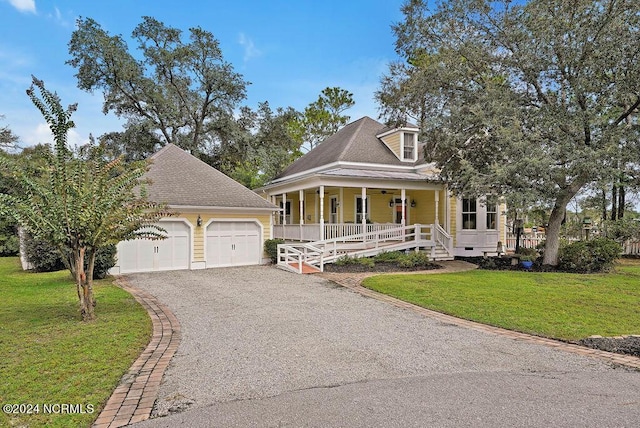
293 256
311 232
443 238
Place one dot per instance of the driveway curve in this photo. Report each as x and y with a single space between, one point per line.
264 347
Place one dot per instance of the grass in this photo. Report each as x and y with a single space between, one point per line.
49 356
557 305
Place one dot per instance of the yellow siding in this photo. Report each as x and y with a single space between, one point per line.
393 142
199 232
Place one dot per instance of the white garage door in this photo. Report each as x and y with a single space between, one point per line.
145 255
235 243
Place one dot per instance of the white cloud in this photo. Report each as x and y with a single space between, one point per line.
26 6
42 134
250 50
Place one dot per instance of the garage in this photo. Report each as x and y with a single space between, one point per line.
145 255
233 243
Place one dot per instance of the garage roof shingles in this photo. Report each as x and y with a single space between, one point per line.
180 179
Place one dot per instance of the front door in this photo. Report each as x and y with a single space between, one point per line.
398 211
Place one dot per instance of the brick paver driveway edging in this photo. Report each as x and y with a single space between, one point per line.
353 281
133 399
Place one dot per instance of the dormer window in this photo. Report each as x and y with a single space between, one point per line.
409 146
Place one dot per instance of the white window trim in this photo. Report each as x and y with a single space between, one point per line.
415 147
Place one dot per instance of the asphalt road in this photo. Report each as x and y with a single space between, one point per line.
263 347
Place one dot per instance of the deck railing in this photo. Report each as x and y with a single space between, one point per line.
311 232
294 256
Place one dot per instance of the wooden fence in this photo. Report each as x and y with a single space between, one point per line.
629 248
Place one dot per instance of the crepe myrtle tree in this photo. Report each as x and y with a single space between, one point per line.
80 202
536 99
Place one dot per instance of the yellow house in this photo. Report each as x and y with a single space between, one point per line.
368 179
219 222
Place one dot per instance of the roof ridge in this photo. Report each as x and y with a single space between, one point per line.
353 136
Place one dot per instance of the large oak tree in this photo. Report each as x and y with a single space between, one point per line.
536 99
182 89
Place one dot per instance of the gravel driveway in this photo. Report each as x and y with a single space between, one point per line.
264 347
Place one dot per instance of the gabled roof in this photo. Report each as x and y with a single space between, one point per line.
355 142
180 179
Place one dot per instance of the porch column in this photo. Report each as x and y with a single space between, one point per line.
403 196
284 209
437 199
321 213
364 210
301 197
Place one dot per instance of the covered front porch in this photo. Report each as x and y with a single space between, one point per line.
329 212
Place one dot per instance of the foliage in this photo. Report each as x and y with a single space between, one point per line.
184 90
622 229
9 244
80 202
45 257
268 147
105 260
41 255
558 305
388 256
414 259
46 358
7 138
595 255
346 260
527 253
323 117
271 248
537 99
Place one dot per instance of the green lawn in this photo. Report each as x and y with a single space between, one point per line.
556 305
49 356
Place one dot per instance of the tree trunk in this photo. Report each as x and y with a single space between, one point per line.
614 201
621 201
604 205
84 286
552 244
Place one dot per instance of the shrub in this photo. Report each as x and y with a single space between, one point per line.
42 256
9 243
414 259
105 260
596 255
363 261
388 256
271 248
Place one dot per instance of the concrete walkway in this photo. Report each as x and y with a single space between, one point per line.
263 347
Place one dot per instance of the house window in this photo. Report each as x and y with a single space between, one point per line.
469 213
409 149
359 209
492 214
286 214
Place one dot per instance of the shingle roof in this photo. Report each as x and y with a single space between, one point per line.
178 178
355 142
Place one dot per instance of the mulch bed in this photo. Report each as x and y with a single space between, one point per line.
629 345
379 267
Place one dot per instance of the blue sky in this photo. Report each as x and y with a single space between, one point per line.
288 50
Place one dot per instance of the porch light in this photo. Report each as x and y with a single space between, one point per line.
391 203
199 221
413 203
